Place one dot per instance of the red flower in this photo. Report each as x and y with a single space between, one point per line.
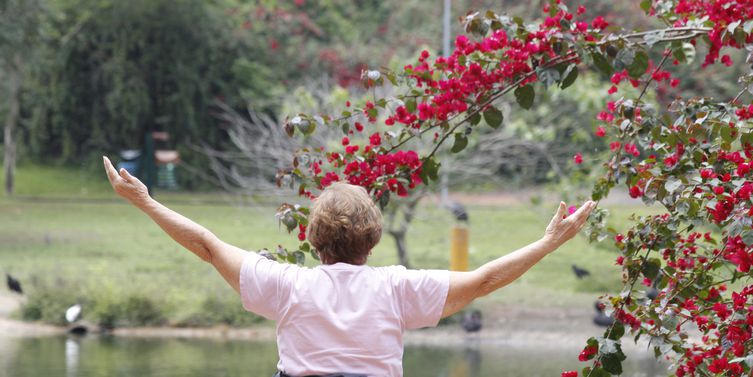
726 60
587 353
345 140
569 373
600 132
375 139
599 23
578 158
636 192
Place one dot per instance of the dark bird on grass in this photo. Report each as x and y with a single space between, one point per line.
13 284
601 319
471 321
580 273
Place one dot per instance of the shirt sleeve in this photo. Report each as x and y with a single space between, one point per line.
265 285
422 296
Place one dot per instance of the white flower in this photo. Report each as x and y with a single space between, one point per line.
373 75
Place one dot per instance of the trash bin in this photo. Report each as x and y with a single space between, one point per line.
130 160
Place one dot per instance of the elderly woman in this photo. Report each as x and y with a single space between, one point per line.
344 318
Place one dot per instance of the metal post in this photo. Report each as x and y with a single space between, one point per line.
446 31
459 248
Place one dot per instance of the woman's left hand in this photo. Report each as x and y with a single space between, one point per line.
126 185
563 227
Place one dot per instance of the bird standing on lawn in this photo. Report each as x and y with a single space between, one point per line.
580 273
13 284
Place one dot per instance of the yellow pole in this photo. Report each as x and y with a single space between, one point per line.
459 248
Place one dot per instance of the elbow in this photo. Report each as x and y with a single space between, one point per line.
203 246
487 284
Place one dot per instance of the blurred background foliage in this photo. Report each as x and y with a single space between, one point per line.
98 75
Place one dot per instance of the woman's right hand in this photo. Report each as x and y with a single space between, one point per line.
563 227
126 185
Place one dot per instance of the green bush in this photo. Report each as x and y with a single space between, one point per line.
221 310
48 303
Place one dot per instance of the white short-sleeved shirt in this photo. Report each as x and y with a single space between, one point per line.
342 318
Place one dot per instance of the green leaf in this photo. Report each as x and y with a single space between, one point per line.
525 95
646 5
602 64
618 330
429 169
410 105
651 268
596 372
475 118
384 199
639 65
570 74
612 363
493 116
461 141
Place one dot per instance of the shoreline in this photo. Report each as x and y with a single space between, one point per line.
518 327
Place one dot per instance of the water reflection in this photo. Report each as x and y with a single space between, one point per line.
109 356
71 357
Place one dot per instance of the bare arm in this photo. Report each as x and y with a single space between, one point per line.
226 259
467 286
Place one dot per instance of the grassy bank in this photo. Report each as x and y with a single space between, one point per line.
125 271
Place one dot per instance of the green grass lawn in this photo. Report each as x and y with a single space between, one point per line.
113 258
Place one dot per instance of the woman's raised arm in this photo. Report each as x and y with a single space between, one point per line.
467 286
226 258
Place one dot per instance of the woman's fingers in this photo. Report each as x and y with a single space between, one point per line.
112 174
561 211
582 213
125 175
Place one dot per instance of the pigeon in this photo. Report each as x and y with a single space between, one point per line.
13 284
580 273
471 321
601 319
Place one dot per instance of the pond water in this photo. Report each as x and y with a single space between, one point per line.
119 356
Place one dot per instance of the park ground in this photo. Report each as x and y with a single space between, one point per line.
69 239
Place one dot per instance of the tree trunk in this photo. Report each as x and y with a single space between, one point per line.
11 122
402 248
398 231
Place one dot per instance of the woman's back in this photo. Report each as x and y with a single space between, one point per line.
342 317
